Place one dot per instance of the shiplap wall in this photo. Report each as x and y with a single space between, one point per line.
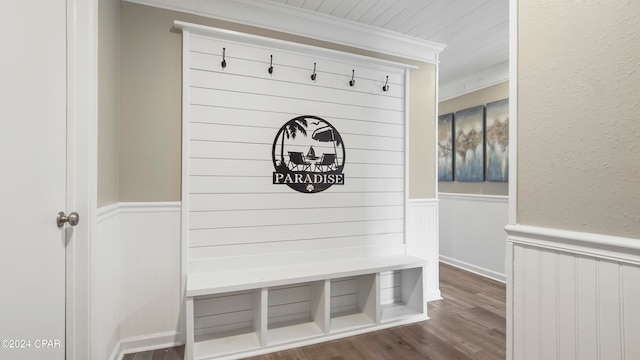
233 210
233 116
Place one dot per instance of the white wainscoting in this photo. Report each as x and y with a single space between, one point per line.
422 240
106 276
572 295
472 233
136 273
136 279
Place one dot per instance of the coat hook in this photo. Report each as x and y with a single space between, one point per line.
352 82
224 61
386 86
313 76
271 65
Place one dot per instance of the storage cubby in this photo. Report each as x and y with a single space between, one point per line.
227 323
354 302
296 312
402 294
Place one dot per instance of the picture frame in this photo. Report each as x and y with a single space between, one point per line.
446 168
469 144
497 140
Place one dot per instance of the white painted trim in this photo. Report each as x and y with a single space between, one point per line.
435 121
184 214
474 197
82 140
292 47
513 111
302 22
108 211
145 343
424 202
509 269
407 149
620 249
481 80
474 269
513 165
150 207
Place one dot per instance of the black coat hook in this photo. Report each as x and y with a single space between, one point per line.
271 65
224 61
352 82
386 86
313 76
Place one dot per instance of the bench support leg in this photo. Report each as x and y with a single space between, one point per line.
188 351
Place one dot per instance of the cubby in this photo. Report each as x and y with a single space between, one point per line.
353 302
347 298
402 294
227 323
296 312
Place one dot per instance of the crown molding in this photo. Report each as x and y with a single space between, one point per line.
480 80
302 22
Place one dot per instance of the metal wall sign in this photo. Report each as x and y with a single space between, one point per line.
308 155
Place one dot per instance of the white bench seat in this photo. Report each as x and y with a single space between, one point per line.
261 307
270 275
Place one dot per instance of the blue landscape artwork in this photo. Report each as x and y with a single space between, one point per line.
445 147
497 140
469 144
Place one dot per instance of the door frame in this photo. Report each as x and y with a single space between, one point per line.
82 115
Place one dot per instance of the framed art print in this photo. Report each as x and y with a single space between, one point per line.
497 140
445 147
469 144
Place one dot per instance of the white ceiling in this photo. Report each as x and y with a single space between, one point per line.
475 32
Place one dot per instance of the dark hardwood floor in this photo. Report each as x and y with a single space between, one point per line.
467 324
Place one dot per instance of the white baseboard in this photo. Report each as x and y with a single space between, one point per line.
433 295
474 269
146 343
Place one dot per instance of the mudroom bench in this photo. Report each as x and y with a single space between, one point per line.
258 308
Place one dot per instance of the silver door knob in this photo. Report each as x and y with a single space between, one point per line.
73 219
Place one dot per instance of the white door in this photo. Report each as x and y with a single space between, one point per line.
33 179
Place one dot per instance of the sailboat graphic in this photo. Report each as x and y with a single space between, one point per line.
311 154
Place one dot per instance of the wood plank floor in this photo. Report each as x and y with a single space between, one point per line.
467 324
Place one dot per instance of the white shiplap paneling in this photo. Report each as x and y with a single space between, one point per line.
234 114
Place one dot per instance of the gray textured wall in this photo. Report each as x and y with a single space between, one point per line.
579 116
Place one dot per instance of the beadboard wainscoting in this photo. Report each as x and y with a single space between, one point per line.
106 291
422 240
472 233
572 295
135 293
